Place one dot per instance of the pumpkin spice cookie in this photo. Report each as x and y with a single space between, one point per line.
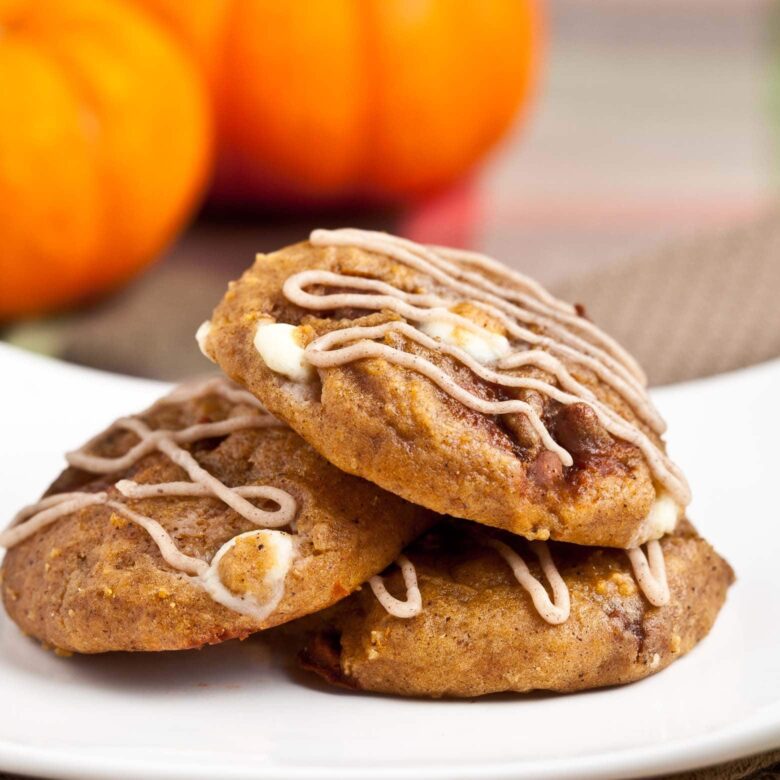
468 614
453 382
201 519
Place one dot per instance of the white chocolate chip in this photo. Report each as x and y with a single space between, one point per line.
201 336
279 348
280 551
661 519
483 345
663 516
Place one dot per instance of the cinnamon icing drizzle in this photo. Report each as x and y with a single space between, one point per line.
554 611
650 577
518 304
46 511
401 609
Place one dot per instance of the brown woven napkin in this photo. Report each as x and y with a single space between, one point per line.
708 306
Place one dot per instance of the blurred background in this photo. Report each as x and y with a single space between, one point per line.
626 154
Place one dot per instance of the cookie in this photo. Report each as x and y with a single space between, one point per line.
199 520
451 381
566 619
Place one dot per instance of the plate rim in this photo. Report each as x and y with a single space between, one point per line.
752 737
759 732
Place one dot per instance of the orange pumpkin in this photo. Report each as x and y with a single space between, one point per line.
328 100
105 143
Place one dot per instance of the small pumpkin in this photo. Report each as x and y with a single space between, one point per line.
329 100
105 144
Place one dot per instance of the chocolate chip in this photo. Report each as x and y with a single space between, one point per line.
546 469
578 430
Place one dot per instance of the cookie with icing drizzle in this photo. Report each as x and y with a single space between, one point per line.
478 632
454 382
201 519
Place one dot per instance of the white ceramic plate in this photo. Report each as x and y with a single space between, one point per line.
239 711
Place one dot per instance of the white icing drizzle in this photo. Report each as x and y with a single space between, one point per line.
477 287
33 518
554 611
320 354
651 578
519 303
220 386
545 304
400 609
650 572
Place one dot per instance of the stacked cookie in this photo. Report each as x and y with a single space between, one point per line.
415 393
